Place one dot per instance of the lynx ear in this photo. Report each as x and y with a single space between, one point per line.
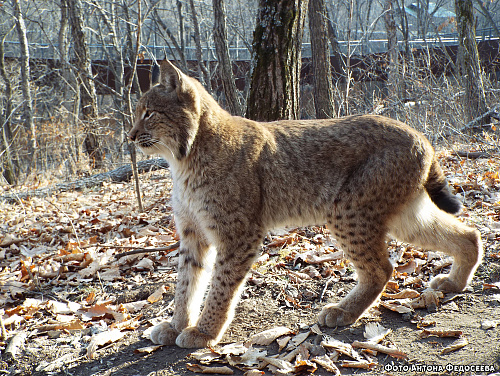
171 77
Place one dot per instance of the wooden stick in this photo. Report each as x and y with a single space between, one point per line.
380 348
147 250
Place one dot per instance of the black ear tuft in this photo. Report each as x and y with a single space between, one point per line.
154 74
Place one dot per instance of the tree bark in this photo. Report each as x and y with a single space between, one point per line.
7 164
469 66
29 123
274 88
203 73
392 52
71 101
129 113
225 64
180 49
337 59
486 13
88 97
322 74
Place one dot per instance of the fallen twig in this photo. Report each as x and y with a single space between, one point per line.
120 174
380 348
473 154
476 123
147 250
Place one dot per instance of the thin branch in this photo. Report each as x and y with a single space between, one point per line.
146 250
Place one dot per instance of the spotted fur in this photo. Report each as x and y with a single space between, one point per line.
234 179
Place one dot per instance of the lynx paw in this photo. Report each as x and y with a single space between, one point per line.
332 315
443 283
164 334
192 338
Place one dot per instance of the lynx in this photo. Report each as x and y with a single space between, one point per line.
365 177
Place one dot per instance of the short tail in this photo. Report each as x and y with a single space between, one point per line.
439 190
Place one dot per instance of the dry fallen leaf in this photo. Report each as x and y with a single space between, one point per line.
440 333
147 349
157 295
206 356
325 362
267 336
133 306
283 341
198 368
489 324
341 347
304 367
144 264
9 239
249 358
397 305
313 259
74 324
487 286
280 365
408 268
254 372
403 294
456 345
103 338
375 332
428 299
236 348
297 340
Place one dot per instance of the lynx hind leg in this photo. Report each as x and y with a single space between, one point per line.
423 224
191 285
364 245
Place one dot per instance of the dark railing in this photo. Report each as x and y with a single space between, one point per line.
357 47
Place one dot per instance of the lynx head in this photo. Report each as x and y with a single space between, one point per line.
167 116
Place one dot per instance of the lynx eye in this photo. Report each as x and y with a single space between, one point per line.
147 114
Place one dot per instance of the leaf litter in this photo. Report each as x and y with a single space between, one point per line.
62 277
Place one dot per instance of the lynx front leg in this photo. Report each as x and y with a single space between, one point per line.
228 279
191 286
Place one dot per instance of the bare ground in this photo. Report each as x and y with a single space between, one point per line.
277 294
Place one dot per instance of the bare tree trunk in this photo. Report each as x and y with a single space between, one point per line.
322 74
88 97
406 51
116 64
274 89
486 13
179 48
338 61
204 76
393 54
181 26
29 123
469 65
225 65
71 101
128 102
132 56
8 166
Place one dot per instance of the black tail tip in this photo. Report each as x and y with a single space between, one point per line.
446 201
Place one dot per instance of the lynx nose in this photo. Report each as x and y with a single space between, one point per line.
132 134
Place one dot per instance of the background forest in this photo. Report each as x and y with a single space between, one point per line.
66 95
